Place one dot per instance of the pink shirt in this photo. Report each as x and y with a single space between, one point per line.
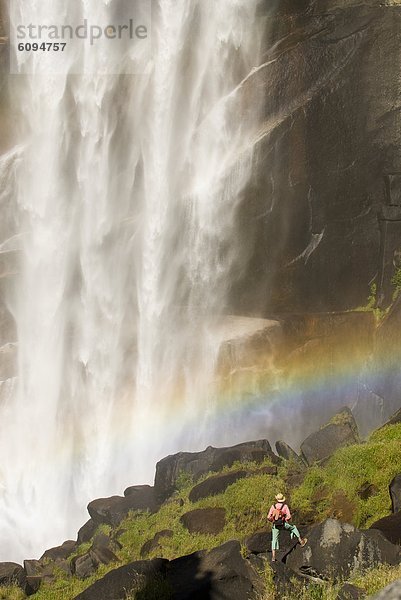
284 509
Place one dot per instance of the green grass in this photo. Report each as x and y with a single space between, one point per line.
246 503
376 461
370 581
11 593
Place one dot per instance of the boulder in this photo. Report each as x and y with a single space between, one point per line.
212 459
153 544
286 452
38 571
114 509
219 574
341 431
204 520
260 542
103 555
101 540
350 592
393 420
390 527
84 566
285 580
120 582
101 552
142 497
60 552
86 532
391 592
12 573
395 493
214 485
336 550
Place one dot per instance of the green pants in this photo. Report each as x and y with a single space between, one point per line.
276 532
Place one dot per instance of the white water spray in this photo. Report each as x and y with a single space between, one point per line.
127 200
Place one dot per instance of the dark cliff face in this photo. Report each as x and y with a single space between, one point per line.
331 133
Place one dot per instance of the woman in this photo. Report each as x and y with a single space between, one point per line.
279 515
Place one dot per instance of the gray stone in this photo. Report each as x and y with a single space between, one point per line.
219 574
395 493
60 552
114 509
393 420
313 211
86 532
337 550
212 459
142 497
390 527
214 485
340 431
260 542
154 543
204 520
84 566
12 573
117 583
286 452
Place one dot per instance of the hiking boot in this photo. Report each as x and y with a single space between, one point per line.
302 542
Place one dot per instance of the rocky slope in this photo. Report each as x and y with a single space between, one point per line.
201 530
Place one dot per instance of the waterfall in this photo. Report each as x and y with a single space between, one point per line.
127 196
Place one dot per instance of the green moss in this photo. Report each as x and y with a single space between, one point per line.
247 502
11 593
376 462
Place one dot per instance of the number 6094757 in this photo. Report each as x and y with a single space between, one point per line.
44 47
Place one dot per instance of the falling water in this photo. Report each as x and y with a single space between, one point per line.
127 198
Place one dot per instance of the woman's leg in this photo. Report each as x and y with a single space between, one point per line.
275 544
295 533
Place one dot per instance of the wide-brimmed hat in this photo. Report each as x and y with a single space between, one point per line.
280 498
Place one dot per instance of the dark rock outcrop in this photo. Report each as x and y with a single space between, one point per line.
142 497
204 520
395 493
60 552
154 543
390 527
333 134
12 574
338 549
38 571
219 574
393 420
87 531
214 485
286 452
120 582
212 459
84 566
340 431
260 542
114 509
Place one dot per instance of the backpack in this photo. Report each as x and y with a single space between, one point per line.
279 517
